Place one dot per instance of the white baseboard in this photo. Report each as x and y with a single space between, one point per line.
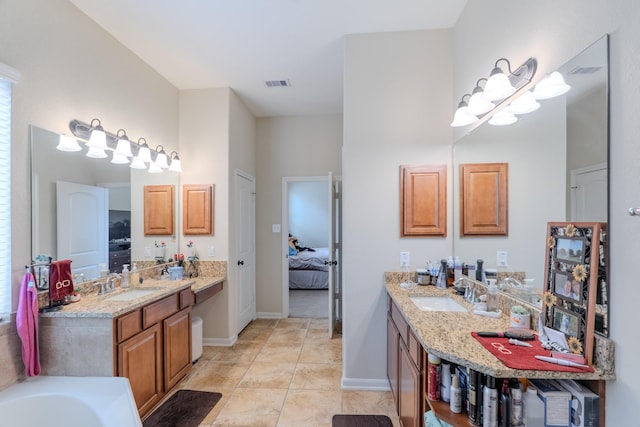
220 342
264 315
365 384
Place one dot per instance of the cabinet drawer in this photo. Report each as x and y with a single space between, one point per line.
160 310
415 349
401 324
128 325
186 298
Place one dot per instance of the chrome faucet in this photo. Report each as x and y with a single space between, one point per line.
109 285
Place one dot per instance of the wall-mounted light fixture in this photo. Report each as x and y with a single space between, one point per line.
499 88
100 141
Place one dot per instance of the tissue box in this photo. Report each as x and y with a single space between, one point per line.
557 403
176 273
585 404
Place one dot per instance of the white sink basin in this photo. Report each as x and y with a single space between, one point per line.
132 294
437 304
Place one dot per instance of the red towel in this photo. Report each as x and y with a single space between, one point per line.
60 280
27 325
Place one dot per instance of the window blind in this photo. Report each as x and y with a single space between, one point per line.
5 196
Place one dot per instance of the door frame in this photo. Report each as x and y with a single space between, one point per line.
284 233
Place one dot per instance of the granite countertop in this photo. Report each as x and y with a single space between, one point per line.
94 305
448 335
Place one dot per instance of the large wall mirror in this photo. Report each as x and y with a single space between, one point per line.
106 216
558 162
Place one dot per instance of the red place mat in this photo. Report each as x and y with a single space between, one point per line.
523 357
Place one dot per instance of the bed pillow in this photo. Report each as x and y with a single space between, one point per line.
292 251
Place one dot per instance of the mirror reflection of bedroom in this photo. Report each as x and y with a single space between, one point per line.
308 228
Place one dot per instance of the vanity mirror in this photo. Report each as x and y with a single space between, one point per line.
112 217
558 158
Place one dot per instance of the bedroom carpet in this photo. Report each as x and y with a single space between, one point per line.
186 408
309 303
361 421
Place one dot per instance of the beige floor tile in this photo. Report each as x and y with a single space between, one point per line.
250 407
255 334
213 375
293 323
279 352
268 375
318 335
319 324
215 411
321 352
288 335
241 351
261 323
367 402
310 408
317 376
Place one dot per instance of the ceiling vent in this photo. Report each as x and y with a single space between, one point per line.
586 69
278 83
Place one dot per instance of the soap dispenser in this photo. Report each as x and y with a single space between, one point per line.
135 276
492 296
125 276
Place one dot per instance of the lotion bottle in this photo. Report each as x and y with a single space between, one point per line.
125 276
455 396
135 276
492 297
490 403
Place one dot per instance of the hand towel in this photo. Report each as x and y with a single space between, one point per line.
27 325
60 280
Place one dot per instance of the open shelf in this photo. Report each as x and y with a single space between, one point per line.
442 412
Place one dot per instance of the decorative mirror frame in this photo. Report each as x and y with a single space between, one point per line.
575 256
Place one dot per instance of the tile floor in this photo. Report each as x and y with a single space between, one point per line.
281 373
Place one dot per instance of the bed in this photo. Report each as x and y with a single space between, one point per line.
307 269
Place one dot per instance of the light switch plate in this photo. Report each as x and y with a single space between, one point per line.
275 228
147 251
404 259
211 251
501 259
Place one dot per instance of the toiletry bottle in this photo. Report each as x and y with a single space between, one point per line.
450 271
442 275
125 276
490 403
135 276
479 270
517 416
473 397
533 408
505 405
492 297
445 381
433 372
455 395
457 269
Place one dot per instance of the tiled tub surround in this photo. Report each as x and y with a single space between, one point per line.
448 335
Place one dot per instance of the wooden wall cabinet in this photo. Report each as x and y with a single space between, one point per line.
197 209
484 199
423 200
158 210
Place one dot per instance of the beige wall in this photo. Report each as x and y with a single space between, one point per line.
397 110
286 147
70 69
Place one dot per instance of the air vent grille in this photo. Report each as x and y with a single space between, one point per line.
586 69
277 83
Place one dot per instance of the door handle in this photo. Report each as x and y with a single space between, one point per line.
240 262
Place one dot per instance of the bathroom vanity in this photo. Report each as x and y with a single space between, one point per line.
142 333
412 334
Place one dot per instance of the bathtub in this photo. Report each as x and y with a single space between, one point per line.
69 402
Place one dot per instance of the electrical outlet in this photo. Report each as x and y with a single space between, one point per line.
211 252
404 259
501 259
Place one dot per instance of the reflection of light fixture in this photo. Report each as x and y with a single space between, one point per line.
496 91
499 86
478 103
144 153
68 143
161 158
98 138
122 147
551 86
175 166
462 116
524 104
503 118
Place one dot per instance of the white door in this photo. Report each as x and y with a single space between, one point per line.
335 251
589 194
82 223
245 244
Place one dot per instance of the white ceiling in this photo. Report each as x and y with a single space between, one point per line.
240 44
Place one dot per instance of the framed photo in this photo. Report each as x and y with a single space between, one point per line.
570 249
574 276
565 286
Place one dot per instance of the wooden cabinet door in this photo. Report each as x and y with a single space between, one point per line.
423 200
140 360
410 407
158 210
392 358
197 209
484 199
177 347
